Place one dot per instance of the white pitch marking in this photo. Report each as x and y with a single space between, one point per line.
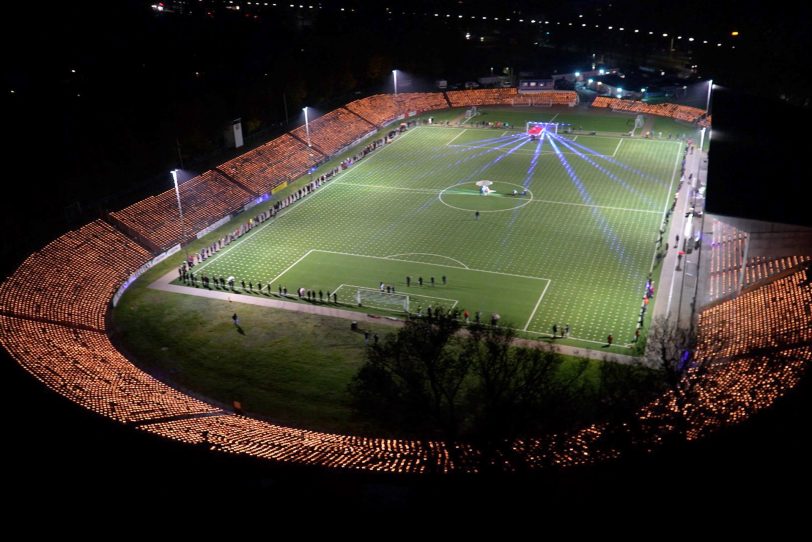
455 137
424 263
619 143
532 314
306 254
384 187
401 293
536 200
392 256
665 207
295 205
595 206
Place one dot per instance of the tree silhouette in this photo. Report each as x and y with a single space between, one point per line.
434 380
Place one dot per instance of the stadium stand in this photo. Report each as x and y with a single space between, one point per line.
72 279
268 166
751 349
762 268
510 96
727 256
206 198
382 109
674 111
484 96
335 130
418 102
379 109
86 368
766 317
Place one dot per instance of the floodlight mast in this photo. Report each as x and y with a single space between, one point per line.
307 127
395 76
180 212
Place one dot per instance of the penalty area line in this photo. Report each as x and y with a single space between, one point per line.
619 143
456 136
291 266
533 314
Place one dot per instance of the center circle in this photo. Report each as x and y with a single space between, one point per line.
468 197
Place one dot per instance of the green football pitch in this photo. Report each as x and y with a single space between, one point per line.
572 247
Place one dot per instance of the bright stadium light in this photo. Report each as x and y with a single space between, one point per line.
577 74
395 77
710 87
180 210
307 126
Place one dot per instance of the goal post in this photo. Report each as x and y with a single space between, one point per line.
536 128
382 300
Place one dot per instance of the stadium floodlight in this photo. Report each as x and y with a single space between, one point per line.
710 87
577 74
307 127
395 77
180 210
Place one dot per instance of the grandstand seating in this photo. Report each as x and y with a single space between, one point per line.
674 111
751 350
419 102
87 369
762 268
268 166
484 96
72 279
206 198
378 110
52 321
766 317
382 109
335 130
510 96
726 259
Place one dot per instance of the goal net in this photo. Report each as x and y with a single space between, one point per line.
536 128
471 113
382 300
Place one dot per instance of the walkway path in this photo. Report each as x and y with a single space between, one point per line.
680 276
164 284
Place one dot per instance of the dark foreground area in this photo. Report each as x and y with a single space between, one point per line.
62 457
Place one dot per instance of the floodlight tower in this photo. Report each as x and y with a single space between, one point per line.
707 104
395 78
180 212
307 127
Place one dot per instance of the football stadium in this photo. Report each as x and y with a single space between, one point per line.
232 311
385 216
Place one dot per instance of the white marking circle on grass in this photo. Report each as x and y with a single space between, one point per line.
519 206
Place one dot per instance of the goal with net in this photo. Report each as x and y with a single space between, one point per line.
536 128
382 300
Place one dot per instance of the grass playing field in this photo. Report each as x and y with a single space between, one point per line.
574 250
